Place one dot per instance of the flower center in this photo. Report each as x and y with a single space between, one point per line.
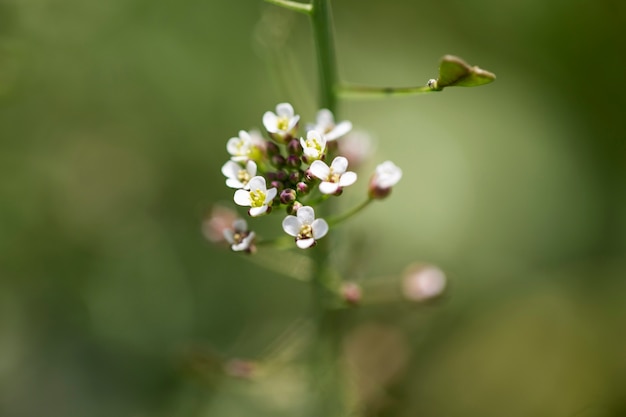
257 198
306 232
282 123
333 177
312 143
243 176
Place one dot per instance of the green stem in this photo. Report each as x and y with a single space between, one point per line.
336 220
358 91
321 19
292 5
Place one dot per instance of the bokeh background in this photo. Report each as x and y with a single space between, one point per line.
113 121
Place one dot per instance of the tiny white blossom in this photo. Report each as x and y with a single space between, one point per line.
282 123
325 124
305 227
314 145
240 148
422 282
238 176
259 198
386 176
334 177
239 237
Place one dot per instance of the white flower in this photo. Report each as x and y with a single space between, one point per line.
334 177
314 145
239 237
259 198
422 282
326 125
386 176
240 148
237 176
282 123
305 227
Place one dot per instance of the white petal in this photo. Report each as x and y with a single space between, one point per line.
305 243
232 146
284 110
270 194
245 137
242 197
231 169
348 178
229 235
233 183
339 130
320 228
257 183
251 168
319 169
291 225
293 122
306 214
325 118
270 122
257 211
240 225
339 165
328 187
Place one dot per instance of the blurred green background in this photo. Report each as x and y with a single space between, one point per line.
113 121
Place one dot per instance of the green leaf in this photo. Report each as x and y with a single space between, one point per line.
453 71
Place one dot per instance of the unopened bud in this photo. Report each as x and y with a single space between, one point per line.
302 187
294 147
351 292
294 177
278 161
272 149
279 185
287 196
293 161
293 209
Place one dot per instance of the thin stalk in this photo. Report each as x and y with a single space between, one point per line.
336 220
358 91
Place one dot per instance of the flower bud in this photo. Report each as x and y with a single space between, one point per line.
294 147
384 178
294 177
351 293
287 196
278 161
272 149
214 225
302 187
293 161
279 185
293 209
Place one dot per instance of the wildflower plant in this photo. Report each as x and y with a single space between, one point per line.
297 171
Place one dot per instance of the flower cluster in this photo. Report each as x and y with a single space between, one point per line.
289 171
